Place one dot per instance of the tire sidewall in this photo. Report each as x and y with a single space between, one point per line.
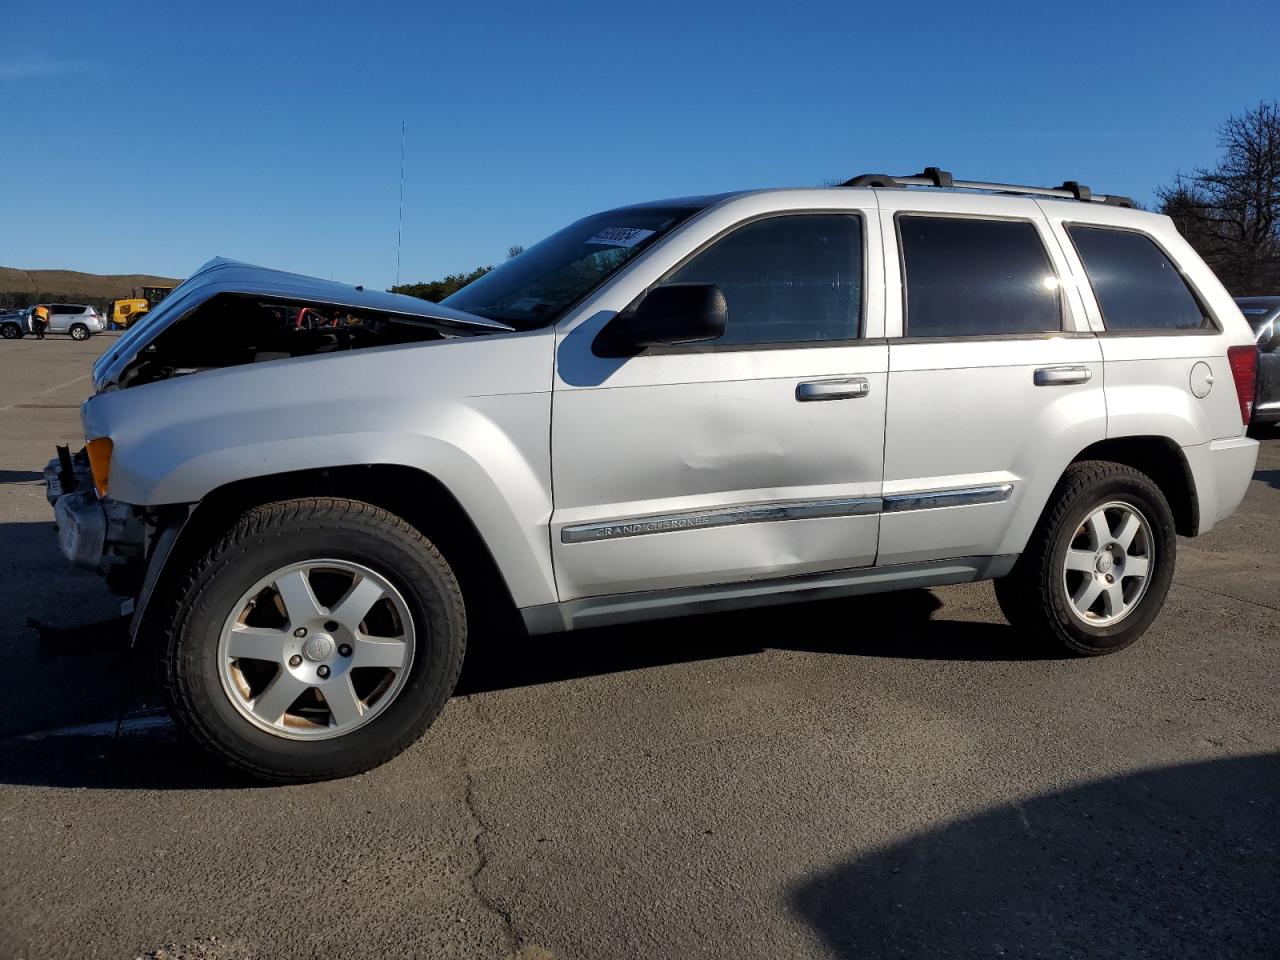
79 332
1140 494
438 624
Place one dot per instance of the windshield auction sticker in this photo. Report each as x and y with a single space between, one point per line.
620 236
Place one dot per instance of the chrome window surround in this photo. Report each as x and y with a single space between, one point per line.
784 510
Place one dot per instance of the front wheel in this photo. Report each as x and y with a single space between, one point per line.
317 639
1098 566
10 331
79 332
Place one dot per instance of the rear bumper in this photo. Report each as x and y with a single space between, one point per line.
1222 470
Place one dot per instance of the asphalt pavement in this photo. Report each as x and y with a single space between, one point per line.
899 776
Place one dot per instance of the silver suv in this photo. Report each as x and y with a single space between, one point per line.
665 409
78 320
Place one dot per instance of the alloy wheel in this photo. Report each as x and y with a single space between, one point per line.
316 649
1108 564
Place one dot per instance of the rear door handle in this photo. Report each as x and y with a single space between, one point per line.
1061 376
848 388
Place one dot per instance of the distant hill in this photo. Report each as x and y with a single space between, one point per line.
23 287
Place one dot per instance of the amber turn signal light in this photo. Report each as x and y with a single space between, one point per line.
99 452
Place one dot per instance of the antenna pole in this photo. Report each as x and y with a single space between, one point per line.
400 225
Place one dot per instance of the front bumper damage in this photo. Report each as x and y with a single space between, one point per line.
126 544
93 532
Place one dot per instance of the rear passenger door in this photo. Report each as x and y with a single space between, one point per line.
995 380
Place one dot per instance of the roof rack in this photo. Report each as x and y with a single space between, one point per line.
935 177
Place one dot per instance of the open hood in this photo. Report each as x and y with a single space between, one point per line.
221 275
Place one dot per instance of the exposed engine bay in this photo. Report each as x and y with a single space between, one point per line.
235 329
230 313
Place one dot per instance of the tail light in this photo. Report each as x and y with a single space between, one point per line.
1244 370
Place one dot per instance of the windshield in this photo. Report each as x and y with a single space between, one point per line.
535 286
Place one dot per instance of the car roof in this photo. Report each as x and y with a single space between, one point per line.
1081 211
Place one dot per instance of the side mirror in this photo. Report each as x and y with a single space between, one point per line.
674 313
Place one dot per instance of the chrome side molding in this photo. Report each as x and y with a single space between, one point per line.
784 510
722 517
964 497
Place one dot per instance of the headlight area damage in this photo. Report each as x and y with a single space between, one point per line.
105 535
230 313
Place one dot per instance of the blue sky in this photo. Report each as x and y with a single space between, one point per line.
152 136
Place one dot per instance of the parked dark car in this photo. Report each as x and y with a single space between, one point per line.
15 323
1263 314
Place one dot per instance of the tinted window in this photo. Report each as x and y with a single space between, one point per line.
967 277
1137 287
789 279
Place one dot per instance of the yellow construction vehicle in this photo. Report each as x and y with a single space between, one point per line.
125 312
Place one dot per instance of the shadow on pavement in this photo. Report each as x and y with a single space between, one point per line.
892 625
157 759
1270 477
1178 862
885 625
20 476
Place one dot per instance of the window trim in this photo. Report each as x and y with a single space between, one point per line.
710 346
1063 310
1214 327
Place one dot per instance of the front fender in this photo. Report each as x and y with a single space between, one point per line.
474 414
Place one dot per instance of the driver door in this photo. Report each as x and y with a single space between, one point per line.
755 455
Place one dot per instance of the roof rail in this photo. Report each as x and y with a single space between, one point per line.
935 177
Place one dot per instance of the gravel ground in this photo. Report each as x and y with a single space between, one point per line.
893 776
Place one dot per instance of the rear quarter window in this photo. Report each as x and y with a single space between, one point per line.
1136 284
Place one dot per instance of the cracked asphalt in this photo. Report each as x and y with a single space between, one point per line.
892 776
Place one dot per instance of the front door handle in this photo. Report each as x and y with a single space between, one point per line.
1062 376
849 388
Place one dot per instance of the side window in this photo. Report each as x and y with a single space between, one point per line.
967 277
787 279
1137 287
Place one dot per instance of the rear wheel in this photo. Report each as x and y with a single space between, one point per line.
1098 567
79 331
10 331
317 639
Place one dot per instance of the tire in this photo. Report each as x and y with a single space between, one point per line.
1049 585
79 331
211 695
11 331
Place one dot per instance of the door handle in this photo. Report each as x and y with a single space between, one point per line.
1061 376
849 388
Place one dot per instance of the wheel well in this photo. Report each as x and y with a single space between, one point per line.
410 494
1161 460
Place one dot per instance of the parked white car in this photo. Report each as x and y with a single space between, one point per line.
672 408
78 320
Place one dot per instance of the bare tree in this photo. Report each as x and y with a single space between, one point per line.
514 251
1231 213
